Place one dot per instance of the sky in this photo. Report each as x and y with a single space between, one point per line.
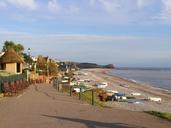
131 33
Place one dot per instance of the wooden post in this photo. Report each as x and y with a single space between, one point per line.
80 94
58 85
71 91
92 97
54 83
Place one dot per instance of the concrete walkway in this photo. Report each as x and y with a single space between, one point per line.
41 106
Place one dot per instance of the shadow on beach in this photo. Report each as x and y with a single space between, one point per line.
94 124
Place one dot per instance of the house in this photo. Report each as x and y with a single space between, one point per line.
11 62
63 67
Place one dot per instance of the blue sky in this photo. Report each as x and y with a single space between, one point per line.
122 32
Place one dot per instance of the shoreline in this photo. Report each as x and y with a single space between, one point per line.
139 83
116 82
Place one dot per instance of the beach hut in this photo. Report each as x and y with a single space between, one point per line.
11 62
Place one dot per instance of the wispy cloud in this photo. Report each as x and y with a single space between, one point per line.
129 11
25 4
112 11
111 6
64 37
92 2
141 4
3 4
166 11
54 6
57 8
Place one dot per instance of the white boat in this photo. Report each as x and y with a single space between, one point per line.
156 99
78 90
120 96
80 80
65 80
136 94
66 77
102 85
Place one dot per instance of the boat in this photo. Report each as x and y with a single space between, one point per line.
155 99
136 94
102 85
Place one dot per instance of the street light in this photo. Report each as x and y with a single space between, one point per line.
29 51
29 57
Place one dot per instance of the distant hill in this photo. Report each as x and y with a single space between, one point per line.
93 65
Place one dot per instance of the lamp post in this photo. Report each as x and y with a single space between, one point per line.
29 56
29 51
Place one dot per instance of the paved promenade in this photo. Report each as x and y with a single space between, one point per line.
41 106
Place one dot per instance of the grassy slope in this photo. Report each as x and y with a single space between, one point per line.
160 114
87 96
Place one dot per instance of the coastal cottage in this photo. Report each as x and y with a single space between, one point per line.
11 62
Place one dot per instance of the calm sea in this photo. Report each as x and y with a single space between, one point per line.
160 78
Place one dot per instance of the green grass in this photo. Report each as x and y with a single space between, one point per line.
87 96
160 114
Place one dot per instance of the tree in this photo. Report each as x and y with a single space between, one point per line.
53 69
12 45
27 58
41 64
46 66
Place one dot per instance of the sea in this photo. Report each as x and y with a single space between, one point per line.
156 77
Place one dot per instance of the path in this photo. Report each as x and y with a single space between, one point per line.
41 106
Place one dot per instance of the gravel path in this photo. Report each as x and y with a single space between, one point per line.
42 107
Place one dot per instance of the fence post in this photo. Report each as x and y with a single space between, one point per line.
54 84
80 94
1 86
92 97
70 91
58 85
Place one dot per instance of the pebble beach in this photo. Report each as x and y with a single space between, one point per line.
119 84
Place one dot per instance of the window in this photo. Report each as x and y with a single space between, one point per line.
3 67
18 68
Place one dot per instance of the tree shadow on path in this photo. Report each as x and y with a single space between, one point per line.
94 124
